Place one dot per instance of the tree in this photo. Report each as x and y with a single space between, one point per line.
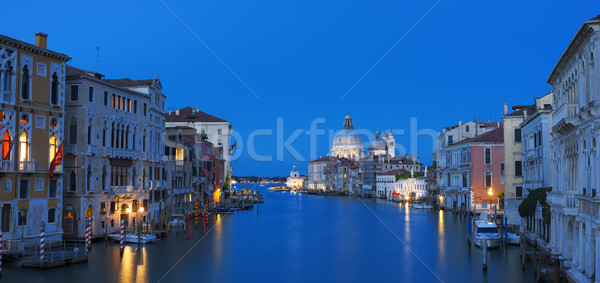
528 205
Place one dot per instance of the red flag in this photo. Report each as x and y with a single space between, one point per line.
58 157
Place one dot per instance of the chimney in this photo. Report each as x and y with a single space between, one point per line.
459 130
41 40
169 111
177 112
505 108
525 113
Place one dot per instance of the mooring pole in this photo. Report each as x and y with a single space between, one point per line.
484 245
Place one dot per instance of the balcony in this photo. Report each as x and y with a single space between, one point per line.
106 151
71 148
6 165
92 149
563 119
123 153
121 190
138 155
27 166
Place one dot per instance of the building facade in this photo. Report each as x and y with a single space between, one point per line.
574 203
32 128
113 151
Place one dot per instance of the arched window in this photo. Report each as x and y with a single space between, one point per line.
89 182
24 147
8 77
54 90
488 179
6 146
104 175
73 131
53 147
488 156
72 181
51 215
25 83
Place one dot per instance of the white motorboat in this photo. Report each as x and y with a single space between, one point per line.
176 220
134 238
486 231
422 206
513 239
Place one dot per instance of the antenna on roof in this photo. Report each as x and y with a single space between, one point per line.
98 59
155 77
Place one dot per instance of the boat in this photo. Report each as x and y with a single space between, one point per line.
176 220
134 238
420 205
487 231
280 189
513 239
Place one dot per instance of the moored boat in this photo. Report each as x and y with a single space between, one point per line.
486 231
134 238
513 239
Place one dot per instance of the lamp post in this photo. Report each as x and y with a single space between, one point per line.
23 215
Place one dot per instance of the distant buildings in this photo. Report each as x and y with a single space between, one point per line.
469 165
295 181
32 83
349 171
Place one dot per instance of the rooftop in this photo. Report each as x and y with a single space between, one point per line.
496 135
189 114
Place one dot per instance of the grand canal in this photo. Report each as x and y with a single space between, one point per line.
301 238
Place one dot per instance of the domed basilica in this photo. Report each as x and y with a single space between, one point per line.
348 143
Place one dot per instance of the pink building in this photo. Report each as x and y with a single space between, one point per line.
475 170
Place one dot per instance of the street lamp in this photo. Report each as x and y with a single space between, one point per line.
23 215
490 194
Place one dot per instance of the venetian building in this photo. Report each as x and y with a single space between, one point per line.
575 121
348 143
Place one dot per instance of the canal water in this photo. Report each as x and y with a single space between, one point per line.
301 238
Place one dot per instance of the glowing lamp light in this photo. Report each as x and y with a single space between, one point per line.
128 210
490 192
406 197
141 209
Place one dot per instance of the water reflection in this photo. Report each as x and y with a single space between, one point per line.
133 265
441 236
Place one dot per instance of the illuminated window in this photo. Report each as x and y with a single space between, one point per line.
24 147
6 141
53 147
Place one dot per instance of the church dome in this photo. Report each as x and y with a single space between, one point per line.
347 137
377 145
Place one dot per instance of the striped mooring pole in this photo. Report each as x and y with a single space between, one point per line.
196 213
122 236
88 234
42 240
1 235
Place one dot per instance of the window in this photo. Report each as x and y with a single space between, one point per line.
106 98
113 206
91 94
53 148
517 135
74 92
72 181
40 122
519 191
73 131
219 131
22 218
135 106
103 207
502 169
6 146
89 134
113 101
23 189
52 190
450 139
23 147
145 108
488 179
38 185
518 168
54 90
103 137
540 138
8 77
128 105
51 215
464 180
488 156
90 183
25 83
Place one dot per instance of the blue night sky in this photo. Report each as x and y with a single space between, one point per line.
464 60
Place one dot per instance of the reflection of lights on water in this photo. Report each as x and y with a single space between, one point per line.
134 265
441 239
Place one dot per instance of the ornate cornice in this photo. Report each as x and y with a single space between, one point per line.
584 33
